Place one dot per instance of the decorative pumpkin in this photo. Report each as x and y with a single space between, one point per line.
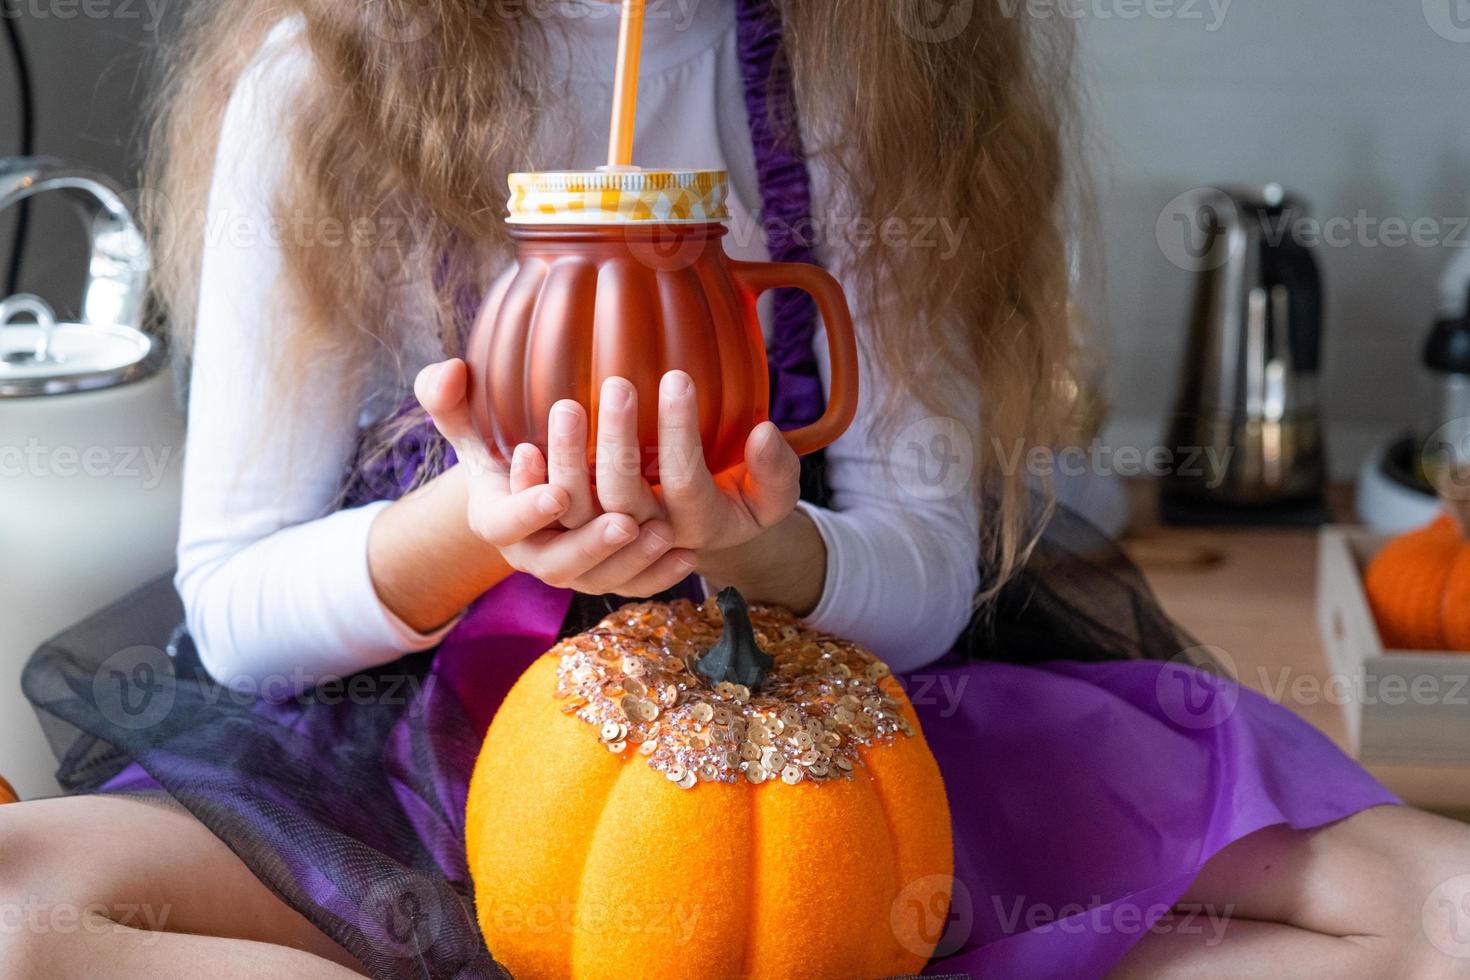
656 799
7 793
1419 584
624 275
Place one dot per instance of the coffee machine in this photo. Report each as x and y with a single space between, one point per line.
1247 428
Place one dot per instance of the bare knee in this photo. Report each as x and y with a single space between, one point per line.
1440 899
49 885
1421 905
1385 892
26 892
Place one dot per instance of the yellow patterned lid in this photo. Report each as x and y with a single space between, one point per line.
614 197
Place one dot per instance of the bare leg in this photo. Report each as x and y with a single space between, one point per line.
1346 900
108 886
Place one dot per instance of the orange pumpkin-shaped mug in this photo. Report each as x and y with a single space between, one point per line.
623 274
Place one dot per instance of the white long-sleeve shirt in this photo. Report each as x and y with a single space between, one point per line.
276 586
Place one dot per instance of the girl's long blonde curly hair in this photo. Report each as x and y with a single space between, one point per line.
415 110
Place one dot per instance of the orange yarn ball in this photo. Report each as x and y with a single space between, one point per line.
590 861
1419 589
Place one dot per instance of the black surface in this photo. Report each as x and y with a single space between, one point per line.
1448 348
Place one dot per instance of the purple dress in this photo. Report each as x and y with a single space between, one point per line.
1091 772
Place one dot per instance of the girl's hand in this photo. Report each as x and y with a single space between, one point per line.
513 509
709 512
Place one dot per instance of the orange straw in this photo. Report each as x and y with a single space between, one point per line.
625 85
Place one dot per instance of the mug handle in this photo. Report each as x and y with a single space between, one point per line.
842 398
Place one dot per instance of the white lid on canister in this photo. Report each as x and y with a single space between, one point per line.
40 356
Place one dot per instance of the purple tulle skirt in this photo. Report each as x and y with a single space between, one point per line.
1085 796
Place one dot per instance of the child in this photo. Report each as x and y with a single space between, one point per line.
335 180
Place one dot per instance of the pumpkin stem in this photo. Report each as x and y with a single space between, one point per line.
736 657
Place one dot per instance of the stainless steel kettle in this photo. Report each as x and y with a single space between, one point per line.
1247 426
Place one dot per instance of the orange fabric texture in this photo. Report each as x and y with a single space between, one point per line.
1419 589
7 794
590 865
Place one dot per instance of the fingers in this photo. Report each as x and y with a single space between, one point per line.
560 558
442 390
688 490
771 485
567 461
620 484
626 571
609 554
527 468
506 520
663 574
680 454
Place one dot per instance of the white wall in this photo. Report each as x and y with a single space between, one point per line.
1361 106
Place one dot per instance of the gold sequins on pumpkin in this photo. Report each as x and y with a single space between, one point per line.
632 679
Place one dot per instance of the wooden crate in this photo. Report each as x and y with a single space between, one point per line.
1401 707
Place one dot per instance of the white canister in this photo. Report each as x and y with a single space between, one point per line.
91 446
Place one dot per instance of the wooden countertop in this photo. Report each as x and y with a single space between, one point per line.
1252 593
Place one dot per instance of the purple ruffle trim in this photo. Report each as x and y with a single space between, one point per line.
786 206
